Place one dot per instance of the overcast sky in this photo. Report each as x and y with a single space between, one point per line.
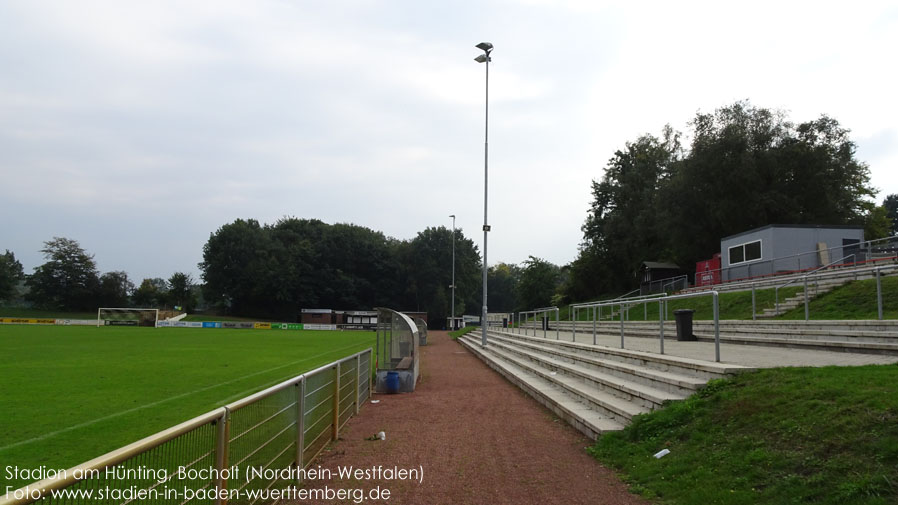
139 128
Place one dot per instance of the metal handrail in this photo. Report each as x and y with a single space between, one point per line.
716 309
776 304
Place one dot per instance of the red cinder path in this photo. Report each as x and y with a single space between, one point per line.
476 438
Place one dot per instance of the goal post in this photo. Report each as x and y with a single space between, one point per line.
127 317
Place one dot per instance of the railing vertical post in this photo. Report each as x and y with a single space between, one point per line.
358 381
645 311
300 427
621 326
716 327
557 323
754 309
661 321
776 301
336 427
806 309
594 325
573 311
222 433
878 294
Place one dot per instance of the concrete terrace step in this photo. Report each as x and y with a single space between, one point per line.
596 399
837 331
594 388
701 369
664 381
589 422
628 390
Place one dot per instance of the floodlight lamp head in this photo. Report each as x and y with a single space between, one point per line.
485 46
482 58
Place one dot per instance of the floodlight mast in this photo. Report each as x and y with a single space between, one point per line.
487 48
452 319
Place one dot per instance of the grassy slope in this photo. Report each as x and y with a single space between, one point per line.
855 300
61 377
790 435
732 306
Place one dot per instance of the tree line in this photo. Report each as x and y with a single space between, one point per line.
69 280
744 167
276 270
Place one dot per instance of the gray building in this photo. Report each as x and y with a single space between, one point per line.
781 248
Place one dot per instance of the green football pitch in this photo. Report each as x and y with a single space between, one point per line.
71 393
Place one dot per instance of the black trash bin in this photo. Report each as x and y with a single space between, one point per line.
684 325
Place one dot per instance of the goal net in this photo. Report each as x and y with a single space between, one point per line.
127 317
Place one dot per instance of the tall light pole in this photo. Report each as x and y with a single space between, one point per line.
487 48
452 319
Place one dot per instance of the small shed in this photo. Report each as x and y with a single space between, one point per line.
779 248
654 274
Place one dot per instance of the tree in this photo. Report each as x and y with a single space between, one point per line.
624 223
11 273
151 293
115 290
750 167
180 293
891 205
502 284
68 280
877 224
746 167
539 281
427 273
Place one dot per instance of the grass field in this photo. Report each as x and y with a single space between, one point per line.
72 393
786 435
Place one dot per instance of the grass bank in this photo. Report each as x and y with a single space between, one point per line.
790 435
855 300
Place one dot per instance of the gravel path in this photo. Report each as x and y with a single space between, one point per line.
474 437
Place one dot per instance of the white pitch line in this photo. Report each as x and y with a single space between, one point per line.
153 404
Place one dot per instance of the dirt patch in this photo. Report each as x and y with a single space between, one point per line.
474 438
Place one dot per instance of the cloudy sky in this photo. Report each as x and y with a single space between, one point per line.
139 128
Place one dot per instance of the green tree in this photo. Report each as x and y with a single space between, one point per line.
749 167
427 273
115 290
891 205
624 225
539 282
877 223
151 293
745 167
180 292
68 280
502 287
11 273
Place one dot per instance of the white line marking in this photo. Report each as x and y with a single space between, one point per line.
182 395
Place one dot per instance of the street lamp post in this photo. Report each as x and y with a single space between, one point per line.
452 319
487 48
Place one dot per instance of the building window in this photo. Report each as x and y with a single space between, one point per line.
742 253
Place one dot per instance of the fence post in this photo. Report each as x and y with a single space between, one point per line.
594 325
358 381
557 323
754 309
300 427
336 403
806 309
716 327
621 325
878 294
222 433
661 320
573 323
